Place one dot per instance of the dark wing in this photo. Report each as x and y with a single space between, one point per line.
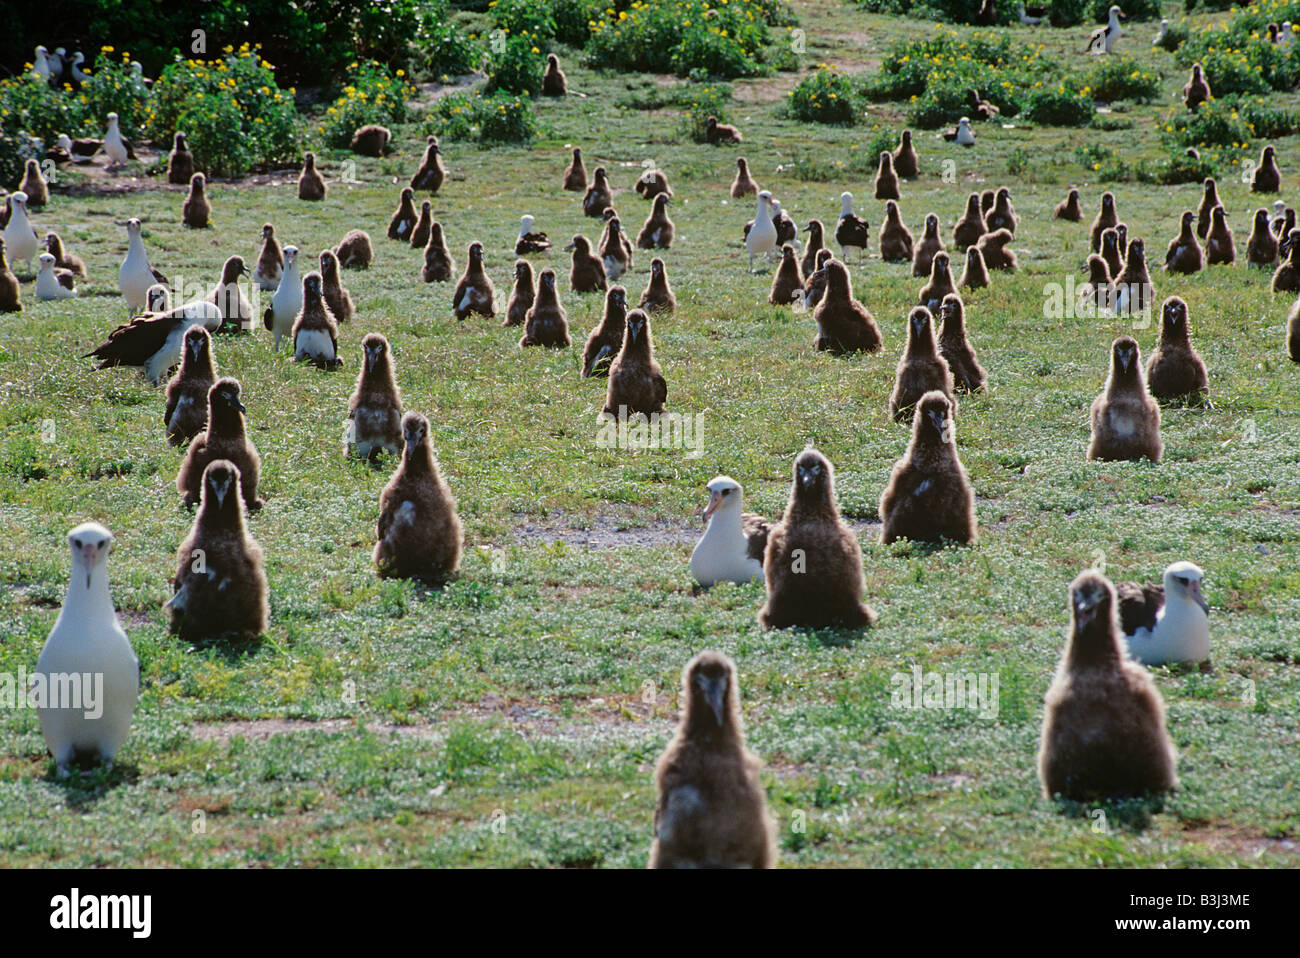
268 317
756 529
133 343
1138 605
64 277
661 388
159 276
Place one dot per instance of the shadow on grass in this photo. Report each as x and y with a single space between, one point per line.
89 780
231 647
1132 814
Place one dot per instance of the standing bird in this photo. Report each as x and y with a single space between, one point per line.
731 549
370 140
813 563
1002 216
587 272
186 414
1266 179
967 373
929 496
153 340
1097 296
906 163
420 234
851 231
1175 371
658 296
33 185
1184 253
311 185
816 243
711 811
236 310
528 241
787 284
1107 218
546 324
1125 419
575 174
1286 278
338 299
180 162
53 283
1104 723
886 179
961 134
974 275
657 233
814 283
1166 624
419 532
895 237
1068 209
623 238
20 237
114 147
844 325
1209 200
431 173
522 294
554 82
970 227
438 265
403 220
1197 91
652 183
63 259
475 292
1220 247
87 641
375 407
1103 39
270 261
940 285
606 339
786 231
716 133
1110 253
315 332
355 250
928 248
743 185
761 238
920 369
220 584
599 196
613 255
196 211
286 301
636 383
993 249
225 438
1133 290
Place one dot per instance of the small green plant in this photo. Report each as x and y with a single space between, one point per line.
548 21
516 66
1175 35
372 94
1018 161
115 87
1120 78
442 49
825 96
1059 106
698 103
496 118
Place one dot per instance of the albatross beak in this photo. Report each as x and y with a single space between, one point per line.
714 692
1194 590
715 500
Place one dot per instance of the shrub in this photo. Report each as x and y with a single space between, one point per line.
1237 56
550 21
516 66
373 94
443 50
698 103
1070 13
499 118
1216 123
16 149
1177 168
212 95
1059 106
114 87
30 106
825 96
1174 37
945 11
1120 78
679 36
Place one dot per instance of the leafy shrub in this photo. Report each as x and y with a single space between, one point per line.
698 103
218 100
516 66
945 11
1216 123
31 106
1059 106
15 150
825 96
1265 121
443 50
550 21
114 87
1237 56
679 36
1070 13
498 118
1120 78
1174 37
1177 168
373 94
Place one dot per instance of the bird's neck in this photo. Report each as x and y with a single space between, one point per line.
93 602
725 523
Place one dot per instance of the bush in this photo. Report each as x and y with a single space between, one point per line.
825 96
1174 37
550 21
945 11
681 36
114 87
1119 78
1059 106
373 94
443 50
499 118
516 67
229 98
1237 56
1216 123
1178 168
15 150
28 105
1070 13
698 103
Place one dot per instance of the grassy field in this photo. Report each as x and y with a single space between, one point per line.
513 718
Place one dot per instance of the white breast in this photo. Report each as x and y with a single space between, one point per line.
313 344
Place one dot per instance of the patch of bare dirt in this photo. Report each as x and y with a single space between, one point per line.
263 729
1241 843
767 90
608 532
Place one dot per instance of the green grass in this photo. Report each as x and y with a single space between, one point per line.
506 721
